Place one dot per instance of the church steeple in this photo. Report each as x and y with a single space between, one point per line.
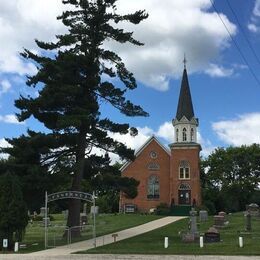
185 107
185 123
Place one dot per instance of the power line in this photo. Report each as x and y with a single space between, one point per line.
235 43
243 32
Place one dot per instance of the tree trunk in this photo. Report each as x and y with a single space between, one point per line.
73 221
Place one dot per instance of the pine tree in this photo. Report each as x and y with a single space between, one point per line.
13 210
72 88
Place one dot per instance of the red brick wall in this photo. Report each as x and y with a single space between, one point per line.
139 170
191 155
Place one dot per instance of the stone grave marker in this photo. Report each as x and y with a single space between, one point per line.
85 208
65 214
224 214
48 222
83 219
203 215
42 211
94 209
254 210
193 233
219 221
248 226
212 236
193 222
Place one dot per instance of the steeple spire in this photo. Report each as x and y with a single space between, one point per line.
184 61
185 107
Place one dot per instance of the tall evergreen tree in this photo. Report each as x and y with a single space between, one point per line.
25 162
13 210
73 88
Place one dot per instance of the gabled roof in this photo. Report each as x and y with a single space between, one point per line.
139 151
185 107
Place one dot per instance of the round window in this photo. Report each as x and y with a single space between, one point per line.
153 154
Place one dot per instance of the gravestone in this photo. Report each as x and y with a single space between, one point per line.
85 208
83 219
188 237
42 211
248 226
224 214
48 222
193 233
203 214
212 236
94 210
254 210
65 214
193 222
219 221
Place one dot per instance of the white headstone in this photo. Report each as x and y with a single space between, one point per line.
5 243
16 247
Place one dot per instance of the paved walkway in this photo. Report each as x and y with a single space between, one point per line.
107 239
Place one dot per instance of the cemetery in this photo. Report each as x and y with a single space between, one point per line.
106 223
220 237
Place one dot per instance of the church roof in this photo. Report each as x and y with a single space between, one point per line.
139 151
185 107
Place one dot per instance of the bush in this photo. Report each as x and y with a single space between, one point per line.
163 209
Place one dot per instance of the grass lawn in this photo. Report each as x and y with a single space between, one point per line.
105 224
153 242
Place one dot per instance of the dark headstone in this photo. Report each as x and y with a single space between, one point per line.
83 220
212 236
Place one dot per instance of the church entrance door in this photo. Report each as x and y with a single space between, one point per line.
184 194
184 197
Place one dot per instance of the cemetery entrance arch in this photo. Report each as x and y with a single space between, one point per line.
69 195
184 194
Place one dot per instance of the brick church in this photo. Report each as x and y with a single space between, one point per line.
172 175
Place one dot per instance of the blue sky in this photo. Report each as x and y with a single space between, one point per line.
224 91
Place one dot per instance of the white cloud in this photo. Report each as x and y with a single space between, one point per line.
166 131
215 70
253 26
22 21
10 119
4 144
173 27
243 130
5 86
207 146
256 10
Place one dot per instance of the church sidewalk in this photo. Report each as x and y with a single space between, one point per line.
107 239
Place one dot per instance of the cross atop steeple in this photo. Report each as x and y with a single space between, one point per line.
184 61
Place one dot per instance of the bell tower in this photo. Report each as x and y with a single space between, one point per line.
184 167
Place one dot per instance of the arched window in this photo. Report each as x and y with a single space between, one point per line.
177 135
153 187
184 170
184 135
192 135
